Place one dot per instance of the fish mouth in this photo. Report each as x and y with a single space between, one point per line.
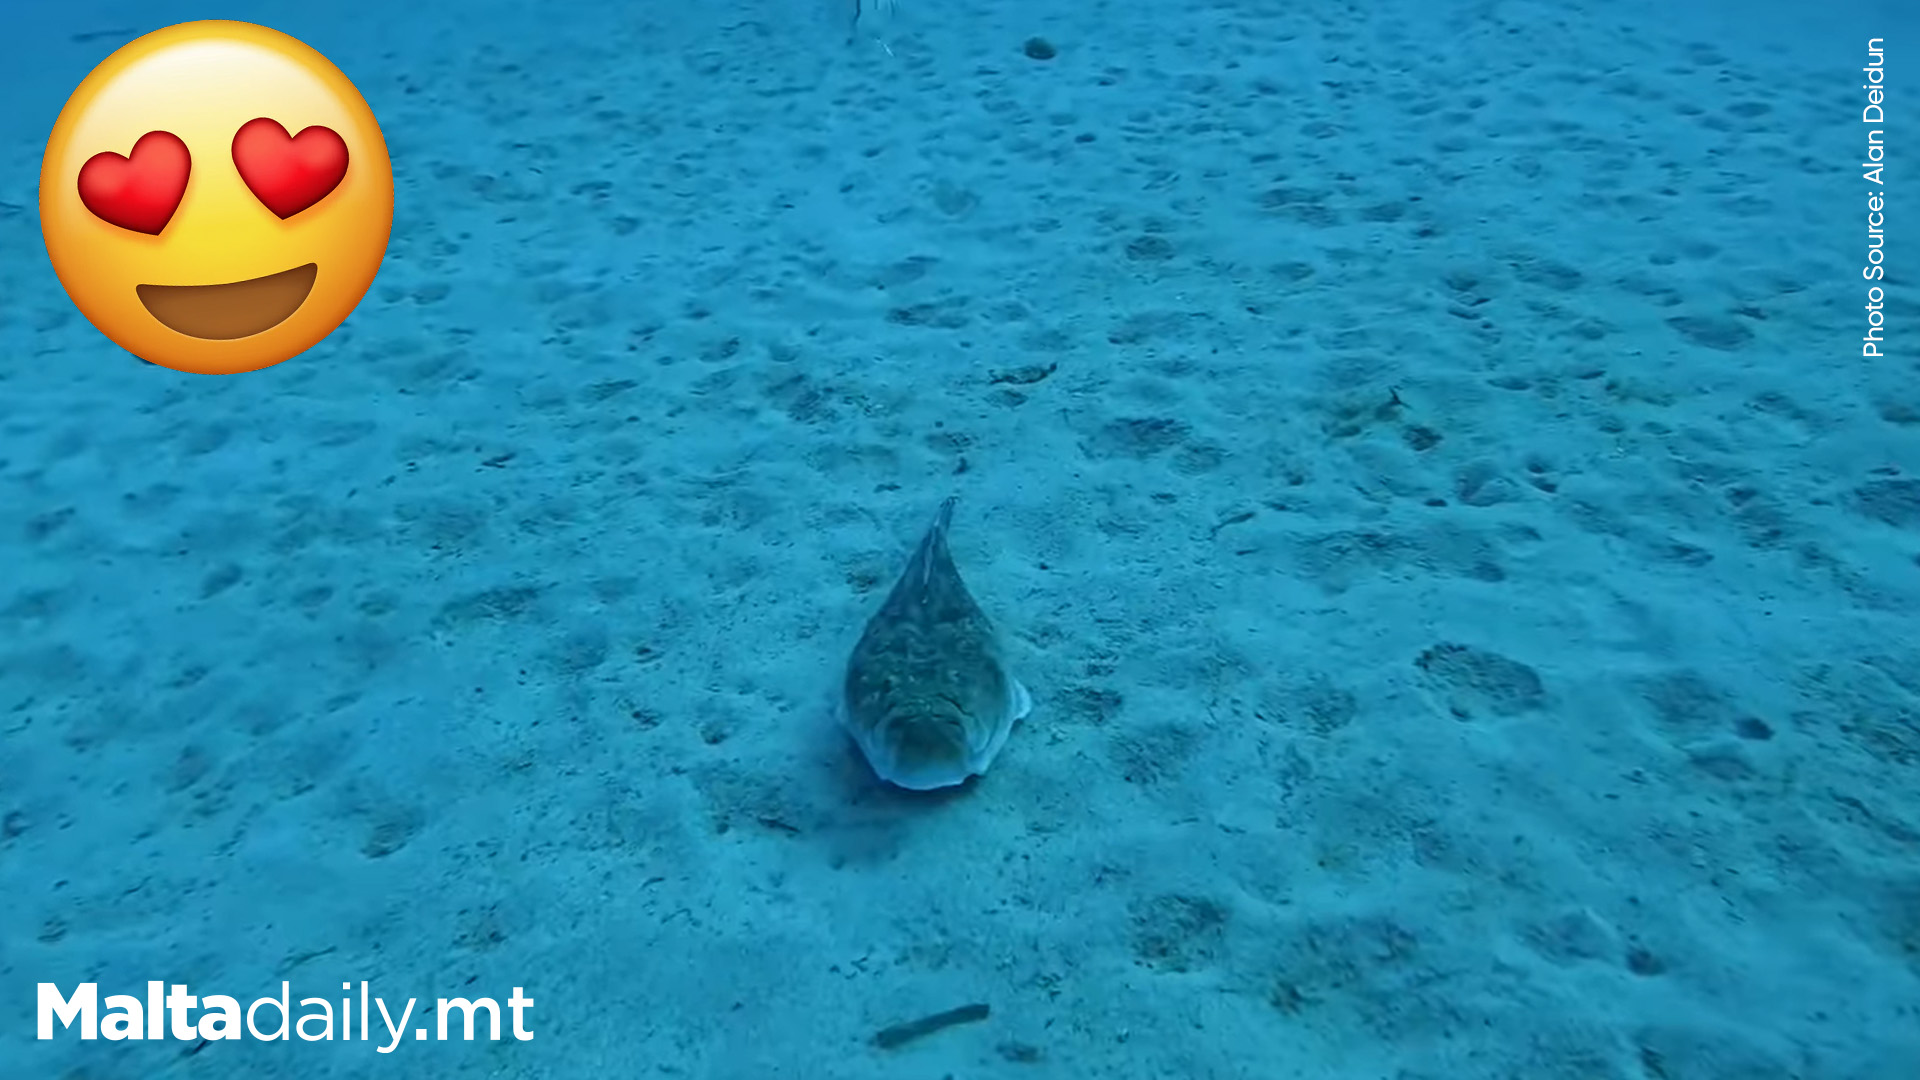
236 309
924 776
922 754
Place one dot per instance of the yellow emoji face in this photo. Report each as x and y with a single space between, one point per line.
216 197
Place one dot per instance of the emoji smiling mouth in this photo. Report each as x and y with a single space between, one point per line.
235 310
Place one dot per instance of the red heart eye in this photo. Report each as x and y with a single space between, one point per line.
288 173
140 191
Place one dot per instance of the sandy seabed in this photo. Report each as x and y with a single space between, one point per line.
1417 456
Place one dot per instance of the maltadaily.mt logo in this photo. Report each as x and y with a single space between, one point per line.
174 1013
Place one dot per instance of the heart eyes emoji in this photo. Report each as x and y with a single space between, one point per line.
287 173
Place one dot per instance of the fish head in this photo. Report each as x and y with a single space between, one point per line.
921 747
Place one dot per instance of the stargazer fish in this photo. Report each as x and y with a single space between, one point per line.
928 697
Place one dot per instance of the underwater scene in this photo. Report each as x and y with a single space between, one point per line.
893 540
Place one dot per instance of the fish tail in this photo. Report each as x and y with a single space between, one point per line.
934 545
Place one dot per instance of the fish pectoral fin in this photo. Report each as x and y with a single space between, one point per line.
1022 701
996 741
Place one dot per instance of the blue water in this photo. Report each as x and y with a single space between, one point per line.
1420 458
